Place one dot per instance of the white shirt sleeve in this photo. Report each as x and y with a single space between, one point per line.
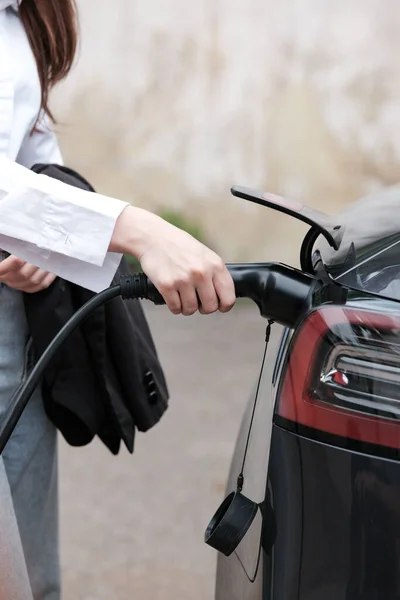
40 146
55 226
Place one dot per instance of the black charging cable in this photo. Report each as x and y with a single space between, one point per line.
136 286
252 281
22 394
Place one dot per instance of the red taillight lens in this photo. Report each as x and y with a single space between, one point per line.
343 376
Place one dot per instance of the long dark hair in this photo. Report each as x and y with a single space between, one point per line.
51 27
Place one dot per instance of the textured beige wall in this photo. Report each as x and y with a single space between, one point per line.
173 102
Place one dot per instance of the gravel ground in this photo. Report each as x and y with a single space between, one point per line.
133 526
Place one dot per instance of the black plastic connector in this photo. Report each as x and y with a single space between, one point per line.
138 286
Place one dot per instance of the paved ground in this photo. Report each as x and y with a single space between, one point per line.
133 526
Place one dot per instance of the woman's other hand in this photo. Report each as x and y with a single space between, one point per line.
23 276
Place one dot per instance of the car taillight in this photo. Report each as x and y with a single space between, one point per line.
343 376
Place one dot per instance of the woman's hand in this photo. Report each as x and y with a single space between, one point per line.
189 275
23 276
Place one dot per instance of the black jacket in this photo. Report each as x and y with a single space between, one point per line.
106 380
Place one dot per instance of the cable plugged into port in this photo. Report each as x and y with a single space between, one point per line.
280 292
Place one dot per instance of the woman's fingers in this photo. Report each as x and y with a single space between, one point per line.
25 279
30 273
23 276
225 290
208 294
189 299
209 301
43 280
206 287
10 265
171 297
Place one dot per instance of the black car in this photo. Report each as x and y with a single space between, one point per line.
313 511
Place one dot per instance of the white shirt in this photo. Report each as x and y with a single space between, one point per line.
55 226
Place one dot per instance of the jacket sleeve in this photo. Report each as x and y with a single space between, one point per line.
53 225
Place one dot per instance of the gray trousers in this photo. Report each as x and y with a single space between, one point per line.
29 560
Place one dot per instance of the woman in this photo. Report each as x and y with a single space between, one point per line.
52 229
